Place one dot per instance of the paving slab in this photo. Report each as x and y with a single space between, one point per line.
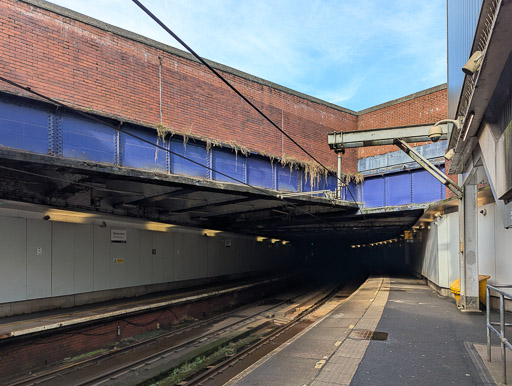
392 331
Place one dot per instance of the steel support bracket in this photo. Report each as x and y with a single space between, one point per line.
429 167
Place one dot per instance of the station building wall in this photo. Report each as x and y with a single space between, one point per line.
436 252
68 264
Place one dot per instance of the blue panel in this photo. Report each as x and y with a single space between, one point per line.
332 183
141 155
192 151
226 162
425 187
259 172
318 183
286 179
373 192
398 189
353 192
85 140
23 128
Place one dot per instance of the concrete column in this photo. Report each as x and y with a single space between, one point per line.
468 248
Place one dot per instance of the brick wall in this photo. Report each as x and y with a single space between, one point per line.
424 107
116 73
113 72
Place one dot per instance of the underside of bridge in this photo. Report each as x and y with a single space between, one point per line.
193 202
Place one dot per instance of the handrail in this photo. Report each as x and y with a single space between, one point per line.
504 343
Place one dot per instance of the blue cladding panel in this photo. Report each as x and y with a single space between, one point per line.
332 183
373 192
259 172
23 128
86 140
398 189
287 180
226 162
141 155
192 151
425 187
353 192
318 183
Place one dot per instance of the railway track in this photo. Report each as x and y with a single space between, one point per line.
210 375
114 365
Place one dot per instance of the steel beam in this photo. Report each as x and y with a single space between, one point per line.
429 167
338 141
468 248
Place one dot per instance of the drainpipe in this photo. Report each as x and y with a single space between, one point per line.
338 190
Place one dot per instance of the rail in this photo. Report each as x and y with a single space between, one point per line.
504 343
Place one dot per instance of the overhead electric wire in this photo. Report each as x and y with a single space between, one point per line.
189 49
118 128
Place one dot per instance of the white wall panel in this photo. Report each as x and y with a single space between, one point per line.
503 238
195 263
132 262
178 256
430 263
13 259
486 242
216 262
84 258
166 251
118 261
145 257
63 258
102 261
39 259
157 265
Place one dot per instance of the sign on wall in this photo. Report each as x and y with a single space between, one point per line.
118 235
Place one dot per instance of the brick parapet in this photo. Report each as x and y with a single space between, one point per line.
113 72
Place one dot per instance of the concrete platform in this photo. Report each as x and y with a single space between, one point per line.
390 332
22 325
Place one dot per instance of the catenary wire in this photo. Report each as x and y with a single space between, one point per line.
118 128
204 62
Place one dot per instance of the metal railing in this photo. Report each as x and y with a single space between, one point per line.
504 343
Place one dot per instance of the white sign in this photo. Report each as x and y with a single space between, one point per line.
118 235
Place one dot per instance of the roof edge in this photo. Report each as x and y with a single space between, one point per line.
404 99
66 12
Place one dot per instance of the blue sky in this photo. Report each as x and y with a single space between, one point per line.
353 53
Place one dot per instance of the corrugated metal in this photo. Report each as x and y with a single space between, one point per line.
462 21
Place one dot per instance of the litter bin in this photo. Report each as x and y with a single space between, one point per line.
482 284
455 289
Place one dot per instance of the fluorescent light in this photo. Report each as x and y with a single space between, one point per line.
210 232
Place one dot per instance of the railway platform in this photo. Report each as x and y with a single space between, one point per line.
391 331
35 342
